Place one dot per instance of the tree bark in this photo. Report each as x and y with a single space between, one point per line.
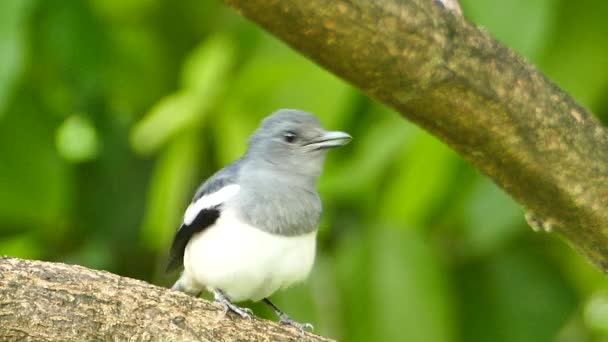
495 109
43 301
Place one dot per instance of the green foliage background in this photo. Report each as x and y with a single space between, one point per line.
112 112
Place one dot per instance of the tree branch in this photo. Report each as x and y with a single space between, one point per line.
43 301
495 109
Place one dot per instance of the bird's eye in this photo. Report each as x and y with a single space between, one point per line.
289 136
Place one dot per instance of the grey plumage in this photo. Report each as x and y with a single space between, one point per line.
270 189
218 180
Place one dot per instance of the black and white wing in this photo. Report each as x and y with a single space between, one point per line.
203 211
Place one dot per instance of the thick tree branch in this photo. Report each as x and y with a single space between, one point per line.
453 79
43 301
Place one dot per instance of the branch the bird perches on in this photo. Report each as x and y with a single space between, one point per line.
44 301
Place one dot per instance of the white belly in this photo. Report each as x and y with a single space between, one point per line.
247 263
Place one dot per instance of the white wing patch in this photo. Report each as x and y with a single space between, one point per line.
210 200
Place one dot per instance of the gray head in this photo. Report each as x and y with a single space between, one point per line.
293 141
279 171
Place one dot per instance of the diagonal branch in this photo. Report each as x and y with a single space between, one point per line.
43 301
495 109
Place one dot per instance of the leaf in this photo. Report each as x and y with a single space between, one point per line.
409 299
231 129
277 77
172 183
76 139
421 176
578 50
513 296
165 120
13 45
124 10
492 218
35 184
535 21
371 153
596 312
137 56
24 246
352 267
203 77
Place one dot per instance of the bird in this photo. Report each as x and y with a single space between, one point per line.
251 227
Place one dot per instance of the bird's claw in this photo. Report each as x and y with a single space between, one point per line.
220 298
284 319
245 313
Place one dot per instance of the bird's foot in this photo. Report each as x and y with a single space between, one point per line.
220 298
245 313
286 320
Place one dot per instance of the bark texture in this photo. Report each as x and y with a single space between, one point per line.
43 301
450 77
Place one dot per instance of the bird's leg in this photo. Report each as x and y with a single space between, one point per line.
221 298
284 319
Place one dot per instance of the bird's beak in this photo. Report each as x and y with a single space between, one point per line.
329 140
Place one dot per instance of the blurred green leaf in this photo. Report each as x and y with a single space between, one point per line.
171 184
578 50
231 130
13 45
124 10
410 299
352 271
587 280
167 118
77 140
596 312
574 331
515 295
207 66
423 172
23 246
35 184
523 25
325 296
284 79
372 153
137 57
204 74
92 253
492 218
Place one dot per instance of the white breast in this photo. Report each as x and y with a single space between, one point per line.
245 262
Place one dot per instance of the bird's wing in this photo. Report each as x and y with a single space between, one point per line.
203 211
